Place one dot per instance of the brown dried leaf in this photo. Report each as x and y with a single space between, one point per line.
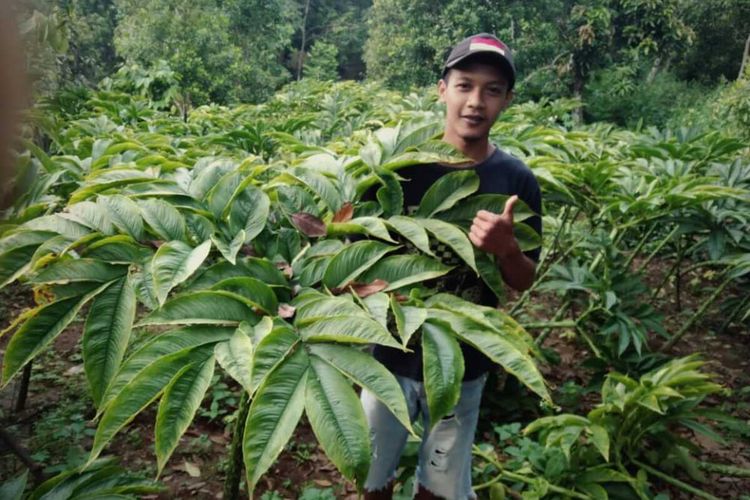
345 213
286 311
285 269
310 225
366 289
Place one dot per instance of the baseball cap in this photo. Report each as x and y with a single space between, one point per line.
483 43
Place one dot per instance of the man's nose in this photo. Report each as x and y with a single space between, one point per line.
475 99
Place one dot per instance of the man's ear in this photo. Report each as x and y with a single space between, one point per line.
508 98
442 87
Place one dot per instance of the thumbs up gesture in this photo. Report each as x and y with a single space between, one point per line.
493 233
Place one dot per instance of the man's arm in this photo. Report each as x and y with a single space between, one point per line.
493 233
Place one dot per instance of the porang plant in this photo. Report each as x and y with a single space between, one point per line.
246 264
636 434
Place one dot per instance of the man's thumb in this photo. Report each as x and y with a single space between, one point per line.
509 204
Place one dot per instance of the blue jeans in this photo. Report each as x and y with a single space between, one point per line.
445 452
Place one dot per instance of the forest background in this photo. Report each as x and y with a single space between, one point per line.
634 115
661 63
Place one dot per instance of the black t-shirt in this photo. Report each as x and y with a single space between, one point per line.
500 173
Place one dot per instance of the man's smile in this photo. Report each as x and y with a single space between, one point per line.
473 119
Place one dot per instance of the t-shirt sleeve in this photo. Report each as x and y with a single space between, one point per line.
531 194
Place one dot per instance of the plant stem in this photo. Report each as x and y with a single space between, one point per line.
675 482
657 249
559 314
727 470
638 247
569 323
23 388
518 477
22 453
234 471
734 313
701 310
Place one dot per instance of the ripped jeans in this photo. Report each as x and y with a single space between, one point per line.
445 452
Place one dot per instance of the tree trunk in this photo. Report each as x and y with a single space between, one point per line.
234 471
301 54
745 58
578 84
654 70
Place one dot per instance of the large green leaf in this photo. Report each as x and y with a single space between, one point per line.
402 270
352 261
262 269
452 236
91 215
317 306
377 305
40 327
463 214
14 263
321 185
177 408
249 212
448 190
276 408
124 214
412 231
348 329
173 263
162 345
230 249
236 356
498 348
221 193
527 238
203 307
367 373
69 270
490 273
58 225
12 489
338 420
106 334
118 249
255 292
271 350
408 319
165 220
143 389
391 194
443 369
21 238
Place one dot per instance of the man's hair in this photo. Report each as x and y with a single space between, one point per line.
484 59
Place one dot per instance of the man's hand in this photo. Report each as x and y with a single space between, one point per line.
493 233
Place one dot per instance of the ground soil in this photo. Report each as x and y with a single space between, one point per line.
196 470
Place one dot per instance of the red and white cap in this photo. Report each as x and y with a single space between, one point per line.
483 43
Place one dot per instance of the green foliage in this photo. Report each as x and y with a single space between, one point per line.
102 479
322 63
622 95
637 421
230 230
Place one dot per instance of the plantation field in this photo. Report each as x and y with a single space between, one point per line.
194 294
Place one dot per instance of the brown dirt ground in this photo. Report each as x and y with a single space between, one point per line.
196 470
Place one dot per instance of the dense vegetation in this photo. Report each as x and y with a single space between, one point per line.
227 229
628 60
200 243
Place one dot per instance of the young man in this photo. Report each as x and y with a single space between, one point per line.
477 85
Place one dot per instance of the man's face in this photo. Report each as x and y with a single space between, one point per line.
474 97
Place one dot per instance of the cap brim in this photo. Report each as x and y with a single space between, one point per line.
505 65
